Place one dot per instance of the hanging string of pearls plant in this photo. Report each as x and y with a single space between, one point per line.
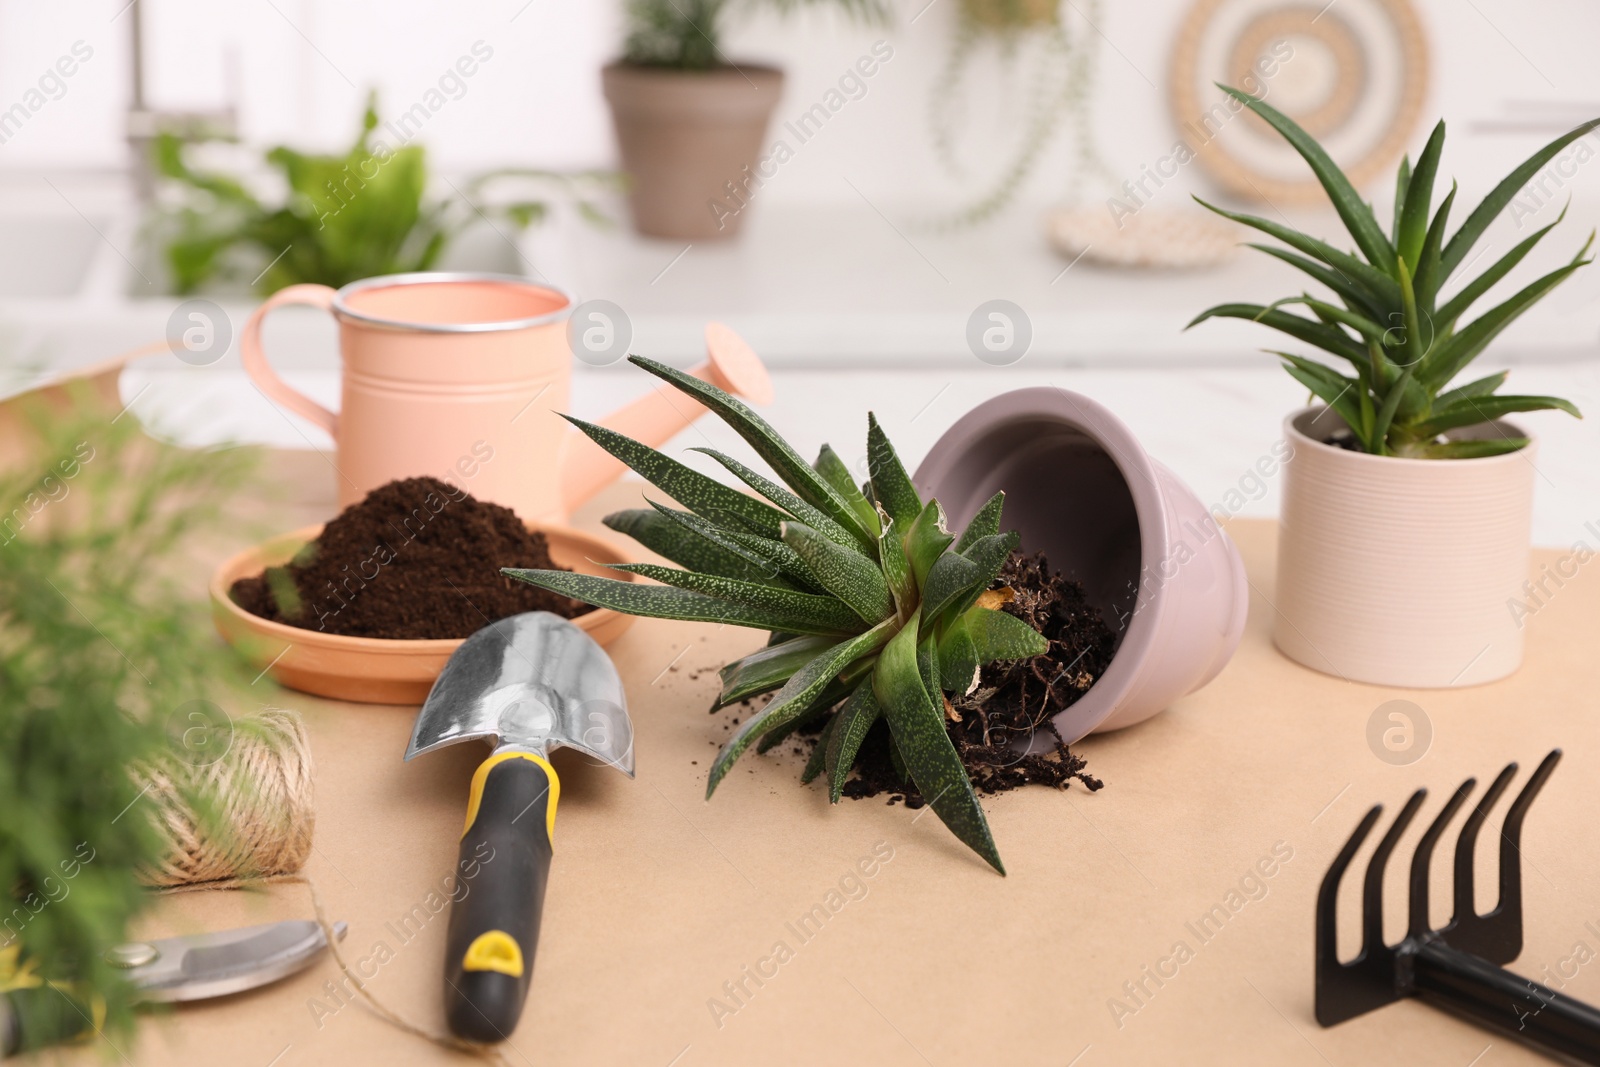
1054 56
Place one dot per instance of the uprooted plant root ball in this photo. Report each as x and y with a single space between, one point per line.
1014 699
417 559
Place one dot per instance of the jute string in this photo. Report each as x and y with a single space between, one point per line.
255 828
256 815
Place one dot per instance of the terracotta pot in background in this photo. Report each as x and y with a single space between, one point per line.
1402 571
683 136
1081 489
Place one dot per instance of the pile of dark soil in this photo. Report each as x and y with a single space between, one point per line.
416 559
1016 699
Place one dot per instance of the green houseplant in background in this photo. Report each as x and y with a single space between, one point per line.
689 120
346 216
871 600
687 34
1407 514
1053 57
102 656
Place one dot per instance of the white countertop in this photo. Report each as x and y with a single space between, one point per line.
854 284
1209 424
853 306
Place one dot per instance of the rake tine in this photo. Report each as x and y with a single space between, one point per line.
1465 888
1456 968
1328 894
1423 858
1372 889
1344 991
1507 913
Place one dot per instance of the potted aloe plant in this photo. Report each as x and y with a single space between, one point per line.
876 608
1408 500
689 121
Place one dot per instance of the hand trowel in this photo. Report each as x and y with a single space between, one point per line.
526 684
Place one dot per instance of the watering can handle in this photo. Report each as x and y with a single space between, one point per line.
254 357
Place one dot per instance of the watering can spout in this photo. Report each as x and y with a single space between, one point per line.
731 365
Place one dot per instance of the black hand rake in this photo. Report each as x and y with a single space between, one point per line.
1457 967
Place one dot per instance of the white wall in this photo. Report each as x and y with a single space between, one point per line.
299 69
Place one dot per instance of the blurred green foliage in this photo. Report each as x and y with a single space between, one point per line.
103 647
341 218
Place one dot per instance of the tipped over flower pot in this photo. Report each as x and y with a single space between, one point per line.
1082 490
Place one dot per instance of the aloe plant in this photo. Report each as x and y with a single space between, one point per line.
872 601
1404 341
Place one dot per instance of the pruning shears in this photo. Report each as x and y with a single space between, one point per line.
35 1013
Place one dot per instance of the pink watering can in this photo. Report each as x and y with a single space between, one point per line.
459 376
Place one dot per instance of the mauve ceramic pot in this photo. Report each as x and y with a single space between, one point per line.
1398 571
1081 489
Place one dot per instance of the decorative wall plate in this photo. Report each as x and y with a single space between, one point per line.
1353 72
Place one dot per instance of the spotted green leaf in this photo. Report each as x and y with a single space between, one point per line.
704 496
951 577
819 754
984 524
688 548
926 540
896 568
824 612
792 504
820 709
853 721
832 468
891 485
997 635
762 437
851 577
989 555
917 723
663 601
773 557
766 669
958 659
798 695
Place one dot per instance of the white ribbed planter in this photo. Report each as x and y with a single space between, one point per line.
1402 571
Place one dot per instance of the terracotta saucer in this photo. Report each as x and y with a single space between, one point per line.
371 670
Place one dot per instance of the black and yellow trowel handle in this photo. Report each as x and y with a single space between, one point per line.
494 921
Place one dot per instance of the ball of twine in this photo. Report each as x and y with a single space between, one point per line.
256 826
255 815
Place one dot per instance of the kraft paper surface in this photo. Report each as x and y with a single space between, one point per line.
1165 919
